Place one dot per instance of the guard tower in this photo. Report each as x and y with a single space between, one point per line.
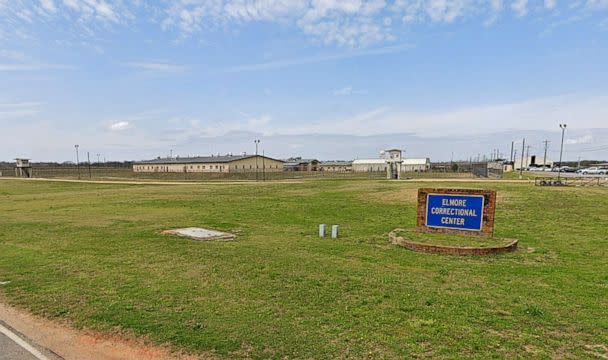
394 160
23 168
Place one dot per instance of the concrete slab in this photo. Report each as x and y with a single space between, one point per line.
200 233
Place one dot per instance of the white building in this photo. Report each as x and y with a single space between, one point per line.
407 165
532 161
416 165
369 165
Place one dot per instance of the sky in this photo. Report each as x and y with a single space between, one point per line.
326 79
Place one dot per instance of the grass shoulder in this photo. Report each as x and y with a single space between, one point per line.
453 240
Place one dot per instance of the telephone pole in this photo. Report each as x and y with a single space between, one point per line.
257 142
521 165
546 142
561 150
89 164
528 155
511 159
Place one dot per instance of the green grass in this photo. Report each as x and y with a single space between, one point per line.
92 254
451 239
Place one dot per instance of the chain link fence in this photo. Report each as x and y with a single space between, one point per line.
125 172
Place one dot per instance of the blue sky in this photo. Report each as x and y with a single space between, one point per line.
316 78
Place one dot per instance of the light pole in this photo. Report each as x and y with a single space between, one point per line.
257 142
561 151
77 161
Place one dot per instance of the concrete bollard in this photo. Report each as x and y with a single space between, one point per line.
321 230
334 231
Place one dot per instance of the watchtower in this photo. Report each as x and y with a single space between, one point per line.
23 168
394 160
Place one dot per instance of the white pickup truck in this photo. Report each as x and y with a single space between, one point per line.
594 171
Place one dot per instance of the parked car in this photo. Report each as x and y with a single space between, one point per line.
594 171
564 169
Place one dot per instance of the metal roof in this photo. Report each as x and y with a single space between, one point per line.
416 161
369 161
336 163
202 159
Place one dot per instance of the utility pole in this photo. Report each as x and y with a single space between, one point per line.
171 154
257 142
263 166
579 163
89 163
511 159
528 155
546 142
561 150
77 161
521 165
98 159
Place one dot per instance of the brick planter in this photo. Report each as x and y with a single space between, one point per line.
451 250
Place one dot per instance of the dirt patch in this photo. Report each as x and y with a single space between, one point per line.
75 344
200 234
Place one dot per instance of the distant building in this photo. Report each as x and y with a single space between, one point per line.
299 164
416 165
392 158
336 166
210 164
532 161
369 165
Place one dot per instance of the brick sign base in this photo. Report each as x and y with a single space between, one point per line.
489 206
450 250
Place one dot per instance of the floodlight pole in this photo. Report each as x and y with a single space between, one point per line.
561 151
263 166
257 142
77 161
89 164
521 165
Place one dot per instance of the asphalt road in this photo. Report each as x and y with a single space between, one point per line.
25 350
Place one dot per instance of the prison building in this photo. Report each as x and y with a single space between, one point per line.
336 166
299 164
416 165
210 164
369 165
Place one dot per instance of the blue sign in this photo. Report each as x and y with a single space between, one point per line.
461 212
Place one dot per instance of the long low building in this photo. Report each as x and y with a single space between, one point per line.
211 164
369 165
378 165
416 165
336 166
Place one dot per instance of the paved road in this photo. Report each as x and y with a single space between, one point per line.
14 346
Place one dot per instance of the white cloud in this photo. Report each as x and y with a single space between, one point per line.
535 114
550 4
121 126
520 7
347 91
12 55
48 5
157 67
597 4
19 110
317 59
586 139
347 23
33 67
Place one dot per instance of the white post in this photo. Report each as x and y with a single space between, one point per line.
321 230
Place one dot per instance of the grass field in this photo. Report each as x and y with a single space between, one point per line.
91 254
